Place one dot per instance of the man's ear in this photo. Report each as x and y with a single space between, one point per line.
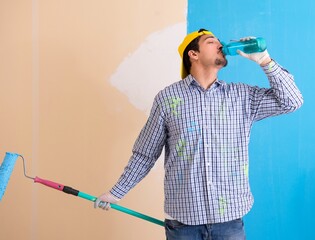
193 54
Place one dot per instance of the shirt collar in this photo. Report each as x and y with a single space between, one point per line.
191 81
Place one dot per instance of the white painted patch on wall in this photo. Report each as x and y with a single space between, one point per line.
152 67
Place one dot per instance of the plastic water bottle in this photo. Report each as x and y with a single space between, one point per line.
248 46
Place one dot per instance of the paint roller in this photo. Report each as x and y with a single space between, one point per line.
6 169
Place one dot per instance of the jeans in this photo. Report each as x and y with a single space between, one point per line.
232 230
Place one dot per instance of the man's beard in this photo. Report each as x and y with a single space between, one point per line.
221 62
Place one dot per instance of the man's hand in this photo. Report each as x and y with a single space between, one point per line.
262 58
105 200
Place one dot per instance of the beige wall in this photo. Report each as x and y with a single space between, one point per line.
60 110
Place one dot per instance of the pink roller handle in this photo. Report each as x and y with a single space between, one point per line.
48 183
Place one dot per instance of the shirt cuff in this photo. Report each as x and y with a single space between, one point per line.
272 68
118 192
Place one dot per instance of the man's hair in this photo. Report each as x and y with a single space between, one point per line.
193 45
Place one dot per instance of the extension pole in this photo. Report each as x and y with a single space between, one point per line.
77 193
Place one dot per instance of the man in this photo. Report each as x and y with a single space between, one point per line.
204 125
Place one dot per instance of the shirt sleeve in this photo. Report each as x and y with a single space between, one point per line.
283 96
146 151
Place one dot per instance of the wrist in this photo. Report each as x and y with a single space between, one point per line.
265 62
112 196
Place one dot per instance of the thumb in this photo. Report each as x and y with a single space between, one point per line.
97 202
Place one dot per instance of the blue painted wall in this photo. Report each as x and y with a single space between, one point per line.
282 149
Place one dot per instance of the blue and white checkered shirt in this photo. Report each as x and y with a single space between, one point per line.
206 135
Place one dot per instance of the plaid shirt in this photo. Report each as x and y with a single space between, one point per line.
206 135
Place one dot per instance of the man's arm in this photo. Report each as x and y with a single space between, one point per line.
283 96
146 151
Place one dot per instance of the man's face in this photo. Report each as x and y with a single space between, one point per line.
210 52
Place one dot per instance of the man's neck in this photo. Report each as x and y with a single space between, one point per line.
205 78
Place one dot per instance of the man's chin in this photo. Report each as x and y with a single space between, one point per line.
221 62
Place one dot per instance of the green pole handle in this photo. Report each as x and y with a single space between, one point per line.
124 210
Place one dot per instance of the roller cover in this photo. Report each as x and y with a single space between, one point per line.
6 171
